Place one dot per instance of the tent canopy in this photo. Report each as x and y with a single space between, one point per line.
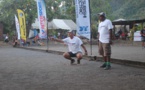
57 24
128 22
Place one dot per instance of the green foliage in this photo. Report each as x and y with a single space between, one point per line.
98 6
8 10
65 9
128 9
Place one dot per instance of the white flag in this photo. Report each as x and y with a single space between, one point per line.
17 27
41 9
83 18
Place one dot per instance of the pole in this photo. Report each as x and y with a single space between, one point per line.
46 26
47 37
91 29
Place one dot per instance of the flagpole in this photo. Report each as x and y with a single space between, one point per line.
47 28
90 30
47 37
43 22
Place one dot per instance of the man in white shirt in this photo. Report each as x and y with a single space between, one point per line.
6 38
74 45
105 39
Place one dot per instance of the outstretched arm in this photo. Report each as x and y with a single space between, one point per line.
57 40
86 53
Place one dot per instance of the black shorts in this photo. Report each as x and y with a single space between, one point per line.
73 54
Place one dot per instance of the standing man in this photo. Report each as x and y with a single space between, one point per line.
143 37
105 39
74 45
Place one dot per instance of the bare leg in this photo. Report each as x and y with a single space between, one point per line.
79 57
143 44
67 56
105 58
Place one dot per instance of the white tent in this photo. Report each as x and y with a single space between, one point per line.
121 27
35 25
57 24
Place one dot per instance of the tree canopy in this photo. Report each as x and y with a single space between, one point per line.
128 9
65 9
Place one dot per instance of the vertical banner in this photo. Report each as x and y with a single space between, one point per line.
41 9
83 18
17 27
22 23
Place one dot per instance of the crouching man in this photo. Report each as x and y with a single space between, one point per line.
74 45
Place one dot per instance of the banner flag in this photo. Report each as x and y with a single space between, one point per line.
83 18
41 9
17 27
22 23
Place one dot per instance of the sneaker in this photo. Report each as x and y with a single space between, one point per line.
78 61
72 61
107 67
103 66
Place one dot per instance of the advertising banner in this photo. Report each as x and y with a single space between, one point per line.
137 36
22 23
41 9
17 27
83 18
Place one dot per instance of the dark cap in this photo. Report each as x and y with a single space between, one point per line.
102 14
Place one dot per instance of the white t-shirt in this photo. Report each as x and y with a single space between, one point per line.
74 45
103 30
6 37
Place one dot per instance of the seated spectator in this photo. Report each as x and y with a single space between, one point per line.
123 36
15 42
40 43
6 38
28 42
23 42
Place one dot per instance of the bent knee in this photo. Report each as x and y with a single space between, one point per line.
66 54
79 55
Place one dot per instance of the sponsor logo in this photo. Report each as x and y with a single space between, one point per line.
43 32
21 14
82 8
83 28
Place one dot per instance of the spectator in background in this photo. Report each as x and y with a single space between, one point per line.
142 32
23 42
28 42
15 41
123 36
6 38
128 35
58 35
118 34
